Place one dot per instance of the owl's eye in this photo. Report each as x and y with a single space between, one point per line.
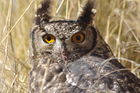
78 37
48 38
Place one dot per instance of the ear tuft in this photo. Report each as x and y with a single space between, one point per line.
88 13
43 13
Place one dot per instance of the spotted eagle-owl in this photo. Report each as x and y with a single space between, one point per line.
70 56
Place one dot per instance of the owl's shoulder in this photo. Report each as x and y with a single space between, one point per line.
105 73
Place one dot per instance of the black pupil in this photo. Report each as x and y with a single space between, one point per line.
78 37
49 38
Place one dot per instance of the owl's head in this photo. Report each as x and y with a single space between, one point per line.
64 40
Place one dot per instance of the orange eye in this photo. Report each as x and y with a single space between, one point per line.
78 37
48 38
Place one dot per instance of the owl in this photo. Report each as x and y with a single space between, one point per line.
70 56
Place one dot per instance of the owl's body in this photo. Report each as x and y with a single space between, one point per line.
71 57
86 75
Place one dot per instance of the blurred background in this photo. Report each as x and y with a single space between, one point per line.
117 20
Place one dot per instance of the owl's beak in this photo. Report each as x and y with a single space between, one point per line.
64 55
61 48
63 51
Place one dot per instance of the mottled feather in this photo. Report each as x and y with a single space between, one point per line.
65 66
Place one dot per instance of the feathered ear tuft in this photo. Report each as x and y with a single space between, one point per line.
43 13
87 15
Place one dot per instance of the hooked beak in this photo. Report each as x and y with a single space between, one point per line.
64 51
61 48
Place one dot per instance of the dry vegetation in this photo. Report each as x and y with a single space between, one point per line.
117 20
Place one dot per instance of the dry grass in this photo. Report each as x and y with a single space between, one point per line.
117 20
